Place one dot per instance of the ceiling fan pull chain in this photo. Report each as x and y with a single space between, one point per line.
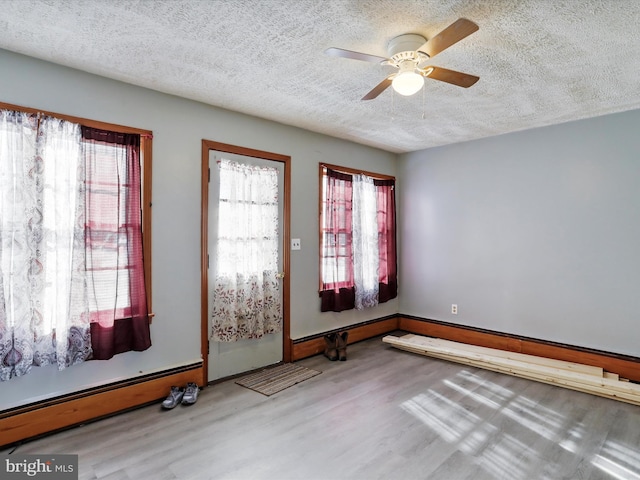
424 111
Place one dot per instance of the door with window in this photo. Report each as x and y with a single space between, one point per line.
246 271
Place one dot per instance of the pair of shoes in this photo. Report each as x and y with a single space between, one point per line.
336 346
186 396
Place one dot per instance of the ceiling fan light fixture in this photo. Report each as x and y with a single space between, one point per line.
408 83
409 54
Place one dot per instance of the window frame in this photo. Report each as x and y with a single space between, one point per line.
322 167
146 149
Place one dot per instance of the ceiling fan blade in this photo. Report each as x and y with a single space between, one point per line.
378 89
451 76
365 57
455 32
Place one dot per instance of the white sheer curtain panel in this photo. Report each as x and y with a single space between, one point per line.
43 301
247 300
365 242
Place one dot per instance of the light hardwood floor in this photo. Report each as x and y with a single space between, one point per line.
382 414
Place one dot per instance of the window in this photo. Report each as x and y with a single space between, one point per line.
72 204
114 259
357 239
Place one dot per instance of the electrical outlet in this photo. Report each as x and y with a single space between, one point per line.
295 244
454 308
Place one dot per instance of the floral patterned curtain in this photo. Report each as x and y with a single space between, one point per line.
43 300
247 299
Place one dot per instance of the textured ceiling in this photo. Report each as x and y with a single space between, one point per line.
540 62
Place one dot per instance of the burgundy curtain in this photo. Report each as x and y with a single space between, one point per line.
386 205
119 317
338 291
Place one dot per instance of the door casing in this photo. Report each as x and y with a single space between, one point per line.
207 146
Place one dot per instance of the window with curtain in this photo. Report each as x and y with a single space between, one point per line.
357 239
72 283
115 273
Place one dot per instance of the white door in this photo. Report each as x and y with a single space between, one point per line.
230 358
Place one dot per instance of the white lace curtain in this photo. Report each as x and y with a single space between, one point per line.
365 242
246 289
43 305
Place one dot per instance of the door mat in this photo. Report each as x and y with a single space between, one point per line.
275 379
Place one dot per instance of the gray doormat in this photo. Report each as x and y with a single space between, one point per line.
275 379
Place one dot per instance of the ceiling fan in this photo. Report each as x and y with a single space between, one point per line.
409 53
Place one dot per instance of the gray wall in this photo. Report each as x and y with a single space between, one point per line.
178 126
535 233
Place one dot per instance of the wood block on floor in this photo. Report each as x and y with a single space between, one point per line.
579 377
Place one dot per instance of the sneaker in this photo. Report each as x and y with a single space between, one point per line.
190 394
174 398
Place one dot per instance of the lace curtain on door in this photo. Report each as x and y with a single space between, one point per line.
246 289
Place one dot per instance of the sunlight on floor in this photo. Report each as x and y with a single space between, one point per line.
509 458
445 416
543 421
490 389
570 443
447 409
476 396
473 443
614 469
619 461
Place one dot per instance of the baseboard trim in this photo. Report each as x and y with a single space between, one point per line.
29 421
314 344
624 365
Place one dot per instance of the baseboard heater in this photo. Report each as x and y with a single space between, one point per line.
47 416
574 376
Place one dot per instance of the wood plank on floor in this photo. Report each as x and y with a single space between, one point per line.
526 366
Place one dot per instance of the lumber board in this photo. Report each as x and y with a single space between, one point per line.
624 365
550 362
606 386
490 362
578 386
455 350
